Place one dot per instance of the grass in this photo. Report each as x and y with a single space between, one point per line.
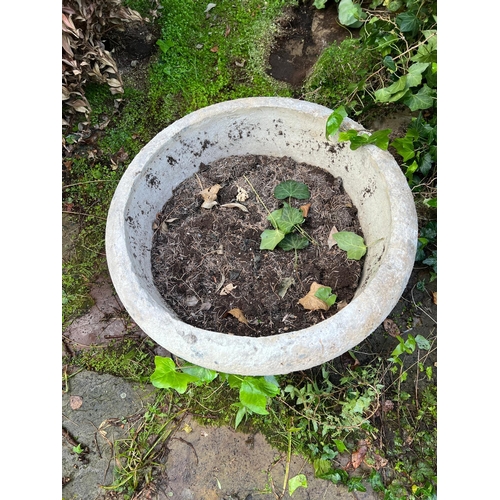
201 61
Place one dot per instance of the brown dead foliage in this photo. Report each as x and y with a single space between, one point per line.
84 57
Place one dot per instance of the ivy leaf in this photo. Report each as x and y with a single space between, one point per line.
166 376
350 14
407 22
254 392
380 138
291 189
352 243
414 76
293 241
422 343
296 482
269 238
325 294
335 120
202 374
320 4
286 218
404 146
423 99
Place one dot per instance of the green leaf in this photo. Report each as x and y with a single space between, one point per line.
320 4
293 241
414 76
335 120
291 189
350 14
380 138
422 343
404 146
407 22
352 243
166 376
295 482
389 63
340 445
202 374
324 293
423 99
253 400
321 467
239 416
287 218
270 238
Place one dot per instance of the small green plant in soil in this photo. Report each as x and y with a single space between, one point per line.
287 232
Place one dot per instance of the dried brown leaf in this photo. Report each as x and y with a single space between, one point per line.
379 461
208 204
311 302
435 297
341 305
215 48
238 314
331 241
305 209
358 456
391 328
210 194
235 205
227 289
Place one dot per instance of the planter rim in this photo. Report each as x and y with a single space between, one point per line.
210 349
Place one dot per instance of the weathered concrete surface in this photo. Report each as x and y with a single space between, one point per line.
203 463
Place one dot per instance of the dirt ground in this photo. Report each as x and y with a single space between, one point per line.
206 262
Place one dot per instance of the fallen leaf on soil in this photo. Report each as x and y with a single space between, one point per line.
208 204
242 194
228 30
341 305
435 297
191 301
285 285
164 227
227 289
358 456
331 241
391 328
214 49
187 428
305 209
205 306
311 302
75 402
210 194
238 314
379 461
235 205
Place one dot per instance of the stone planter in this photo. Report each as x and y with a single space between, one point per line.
276 127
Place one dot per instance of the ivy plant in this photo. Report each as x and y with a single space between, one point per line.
286 221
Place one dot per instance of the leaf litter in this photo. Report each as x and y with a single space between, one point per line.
214 253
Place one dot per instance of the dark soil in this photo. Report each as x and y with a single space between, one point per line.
304 31
198 252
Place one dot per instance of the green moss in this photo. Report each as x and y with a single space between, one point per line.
338 72
128 358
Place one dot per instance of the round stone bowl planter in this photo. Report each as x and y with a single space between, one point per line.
276 127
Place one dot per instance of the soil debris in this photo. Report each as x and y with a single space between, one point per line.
214 255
